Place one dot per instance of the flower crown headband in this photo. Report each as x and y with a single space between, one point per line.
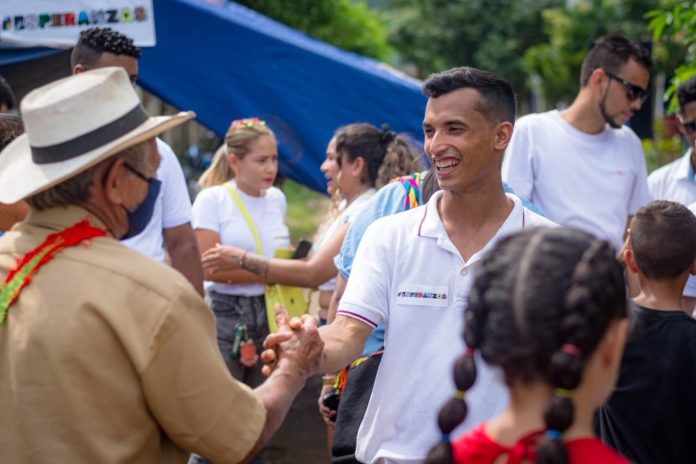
248 122
244 122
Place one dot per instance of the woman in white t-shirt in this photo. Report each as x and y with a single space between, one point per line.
239 207
366 158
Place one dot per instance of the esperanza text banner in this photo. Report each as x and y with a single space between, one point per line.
57 23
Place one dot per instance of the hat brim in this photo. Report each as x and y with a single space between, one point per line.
20 177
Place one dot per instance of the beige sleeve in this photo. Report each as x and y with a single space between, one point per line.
190 391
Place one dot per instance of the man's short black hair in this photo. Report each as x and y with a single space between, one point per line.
611 53
6 95
686 93
497 102
663 239
97 40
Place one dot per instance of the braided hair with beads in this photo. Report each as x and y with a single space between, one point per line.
541 302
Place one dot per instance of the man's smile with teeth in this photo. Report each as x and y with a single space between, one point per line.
446 163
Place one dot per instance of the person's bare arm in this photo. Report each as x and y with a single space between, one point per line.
344 340
208 239
182 248
302 273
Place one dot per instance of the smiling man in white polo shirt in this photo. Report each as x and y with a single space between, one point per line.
413 271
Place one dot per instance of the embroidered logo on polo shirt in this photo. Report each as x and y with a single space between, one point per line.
422 295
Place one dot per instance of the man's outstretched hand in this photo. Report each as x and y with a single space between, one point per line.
296 344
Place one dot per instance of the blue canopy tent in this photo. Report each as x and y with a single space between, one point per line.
10 56
225 61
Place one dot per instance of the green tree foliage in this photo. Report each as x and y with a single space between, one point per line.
571 30
348 24
434 35
676 28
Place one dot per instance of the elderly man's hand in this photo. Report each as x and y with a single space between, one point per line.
296 344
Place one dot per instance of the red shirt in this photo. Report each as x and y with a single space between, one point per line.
476 447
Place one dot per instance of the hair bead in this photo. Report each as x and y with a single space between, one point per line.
571 350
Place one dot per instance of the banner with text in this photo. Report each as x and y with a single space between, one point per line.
59 23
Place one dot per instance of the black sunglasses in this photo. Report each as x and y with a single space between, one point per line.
633 91
689 127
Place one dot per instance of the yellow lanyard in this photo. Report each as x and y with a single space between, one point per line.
245 214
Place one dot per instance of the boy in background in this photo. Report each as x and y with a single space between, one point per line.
651 416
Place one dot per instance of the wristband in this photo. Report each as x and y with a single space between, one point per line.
328 379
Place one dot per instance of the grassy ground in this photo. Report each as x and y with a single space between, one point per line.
306 209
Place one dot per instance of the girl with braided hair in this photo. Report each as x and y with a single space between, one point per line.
548 307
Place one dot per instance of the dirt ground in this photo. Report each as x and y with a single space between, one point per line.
302 437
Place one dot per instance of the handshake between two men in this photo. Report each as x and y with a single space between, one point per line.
298 350
296 345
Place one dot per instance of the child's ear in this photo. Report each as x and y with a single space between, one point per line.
630 260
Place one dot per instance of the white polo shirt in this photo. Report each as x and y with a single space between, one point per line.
172 207
589 181
408 275
676 182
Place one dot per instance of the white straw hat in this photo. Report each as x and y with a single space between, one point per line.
73 124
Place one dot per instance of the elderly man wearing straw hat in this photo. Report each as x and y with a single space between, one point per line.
105 355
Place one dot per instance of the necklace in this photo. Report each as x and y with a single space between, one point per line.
29 264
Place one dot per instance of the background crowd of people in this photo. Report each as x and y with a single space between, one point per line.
569 271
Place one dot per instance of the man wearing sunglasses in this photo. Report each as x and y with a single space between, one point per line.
581 166
676 181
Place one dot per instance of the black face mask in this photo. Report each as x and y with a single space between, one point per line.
140 217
